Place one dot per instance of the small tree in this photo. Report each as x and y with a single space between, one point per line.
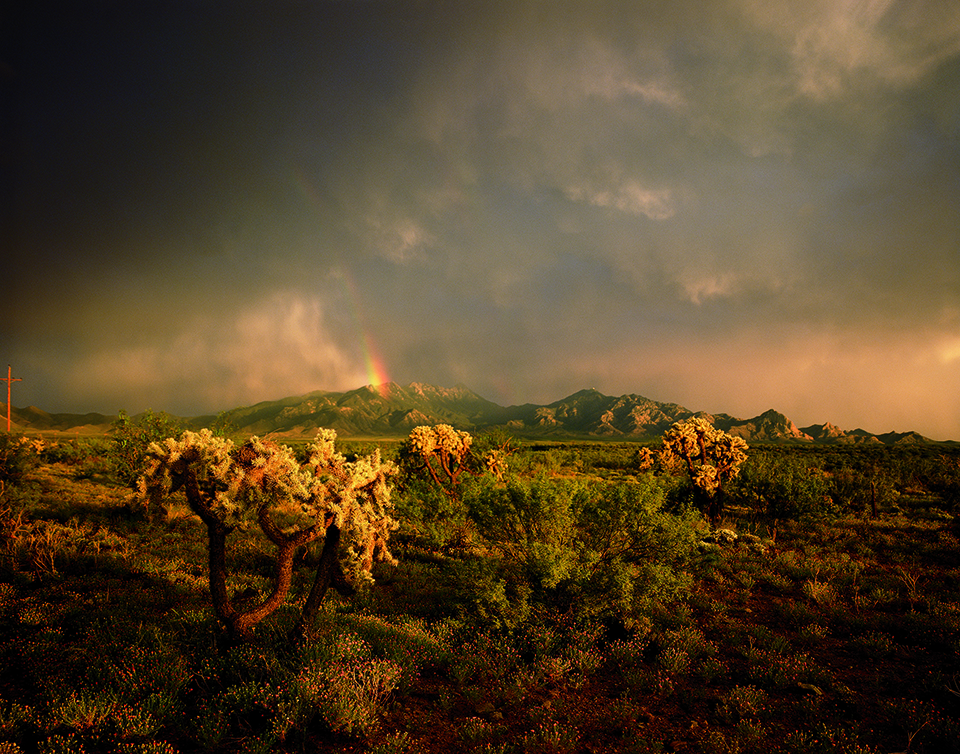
131 440
710 456
345 503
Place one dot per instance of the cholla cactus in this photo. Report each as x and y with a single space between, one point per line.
645 460
446 453
496 462
345 503
441 450
707 479
356 494
711 457
354 499
37 445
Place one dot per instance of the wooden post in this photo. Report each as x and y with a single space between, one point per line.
9 379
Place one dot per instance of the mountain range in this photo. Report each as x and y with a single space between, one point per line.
392 410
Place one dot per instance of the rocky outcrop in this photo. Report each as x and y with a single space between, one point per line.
770 426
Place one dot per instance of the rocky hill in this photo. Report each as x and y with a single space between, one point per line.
770 426
392 410
370 411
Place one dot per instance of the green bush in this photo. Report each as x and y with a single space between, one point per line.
944 479
592 549
485 592
633 551
76 452
532 524
786 488
430 516
132 438
18 456
88 458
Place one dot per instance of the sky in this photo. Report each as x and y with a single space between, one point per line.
733 205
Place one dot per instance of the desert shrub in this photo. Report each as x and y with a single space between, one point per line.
861 490
614 457
632 551
944 480
595 549
354 693
18 456
532 524
551 737
744 702
409 643
545 459
786 488
42 546
484 592
131 441
629 520
430 516
88 457
75 452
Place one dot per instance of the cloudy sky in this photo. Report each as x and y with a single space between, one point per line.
734 205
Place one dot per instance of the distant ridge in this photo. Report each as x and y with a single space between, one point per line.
34 419
392 410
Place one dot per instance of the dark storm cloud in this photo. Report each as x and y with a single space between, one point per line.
739 207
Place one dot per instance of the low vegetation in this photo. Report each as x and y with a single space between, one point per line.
568 597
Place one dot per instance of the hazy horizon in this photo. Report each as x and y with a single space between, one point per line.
733 206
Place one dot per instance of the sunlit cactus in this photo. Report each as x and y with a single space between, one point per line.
495 461
345 503
443 451
710 456
357 496
645 460
444 454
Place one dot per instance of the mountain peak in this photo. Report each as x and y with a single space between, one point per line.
381 387
585 394
825 432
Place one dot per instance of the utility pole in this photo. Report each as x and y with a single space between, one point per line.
9 379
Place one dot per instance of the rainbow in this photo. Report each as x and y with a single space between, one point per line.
376 369
373 362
